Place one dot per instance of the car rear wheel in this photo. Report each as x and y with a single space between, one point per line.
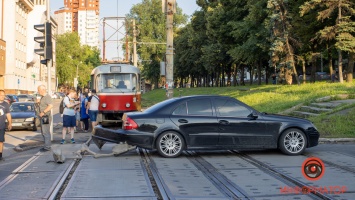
170 144
293 142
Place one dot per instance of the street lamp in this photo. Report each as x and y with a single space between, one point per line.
77 75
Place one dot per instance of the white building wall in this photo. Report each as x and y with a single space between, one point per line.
11 71
64 21
88 28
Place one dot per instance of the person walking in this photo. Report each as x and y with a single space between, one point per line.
4 114
84 118
69 120
45 114
93 108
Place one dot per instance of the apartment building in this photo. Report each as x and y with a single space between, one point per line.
23 71
81 16
2 45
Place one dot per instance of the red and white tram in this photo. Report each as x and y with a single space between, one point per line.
118 87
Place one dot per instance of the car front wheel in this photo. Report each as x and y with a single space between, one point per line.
170 144
293 142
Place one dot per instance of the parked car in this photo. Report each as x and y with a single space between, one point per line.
13 98
209 122
25 97
23 115
7 99
58 95
319 76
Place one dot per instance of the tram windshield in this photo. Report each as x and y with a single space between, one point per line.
114 83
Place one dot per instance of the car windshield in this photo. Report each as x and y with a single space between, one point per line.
22 108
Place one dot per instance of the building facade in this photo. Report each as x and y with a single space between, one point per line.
81 16
2 46
23 71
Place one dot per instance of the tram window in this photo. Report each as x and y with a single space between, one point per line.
117 82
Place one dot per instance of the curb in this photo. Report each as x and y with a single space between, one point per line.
335 140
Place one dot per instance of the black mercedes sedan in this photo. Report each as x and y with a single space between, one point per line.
23 115
209 122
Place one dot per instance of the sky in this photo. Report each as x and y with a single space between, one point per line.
109 8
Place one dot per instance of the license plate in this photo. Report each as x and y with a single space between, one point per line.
16 124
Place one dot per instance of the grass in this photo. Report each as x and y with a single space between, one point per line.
278 98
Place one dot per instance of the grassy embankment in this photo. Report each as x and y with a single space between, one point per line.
278 98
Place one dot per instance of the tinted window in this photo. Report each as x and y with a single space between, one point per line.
180 110
199 107
230 108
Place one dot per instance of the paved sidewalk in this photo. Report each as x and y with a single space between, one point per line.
37 140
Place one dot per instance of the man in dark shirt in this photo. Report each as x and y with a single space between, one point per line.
4 114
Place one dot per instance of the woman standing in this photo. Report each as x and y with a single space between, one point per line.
84 118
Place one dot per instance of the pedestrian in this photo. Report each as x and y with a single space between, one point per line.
45 115
273 78
69 120
84 118
93 108
4 114
77 113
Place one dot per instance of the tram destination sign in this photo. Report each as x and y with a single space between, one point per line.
115 69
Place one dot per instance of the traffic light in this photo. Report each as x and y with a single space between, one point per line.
45 41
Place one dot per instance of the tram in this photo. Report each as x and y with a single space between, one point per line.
119 90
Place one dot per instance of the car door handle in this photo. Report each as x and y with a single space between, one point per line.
223 122
183 121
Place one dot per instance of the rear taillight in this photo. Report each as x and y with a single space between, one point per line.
129 124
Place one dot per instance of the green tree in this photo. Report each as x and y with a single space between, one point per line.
283 42
73 59
342 30
151 26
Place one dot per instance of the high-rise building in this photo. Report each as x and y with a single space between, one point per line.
81 16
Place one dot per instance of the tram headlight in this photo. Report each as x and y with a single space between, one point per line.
104 105
128 105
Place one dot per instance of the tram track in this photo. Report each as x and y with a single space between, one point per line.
332 164
282 176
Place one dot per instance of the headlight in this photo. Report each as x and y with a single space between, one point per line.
29 119
104 105
128 105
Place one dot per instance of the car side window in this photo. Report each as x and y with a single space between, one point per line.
227 108
199 107
180 110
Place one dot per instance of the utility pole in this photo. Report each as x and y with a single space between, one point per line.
49 60
134 44
169 10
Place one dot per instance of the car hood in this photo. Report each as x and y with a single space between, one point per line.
17 115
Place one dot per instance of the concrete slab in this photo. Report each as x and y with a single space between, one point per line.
223 162
189 183
278 159
183 180
173 164
336 158
38 185
126 179
254 182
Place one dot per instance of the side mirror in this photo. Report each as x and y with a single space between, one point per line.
253 115
134 88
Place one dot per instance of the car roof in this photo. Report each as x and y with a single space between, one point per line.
27 102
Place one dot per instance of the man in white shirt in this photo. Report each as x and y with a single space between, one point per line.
92 108
69 120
